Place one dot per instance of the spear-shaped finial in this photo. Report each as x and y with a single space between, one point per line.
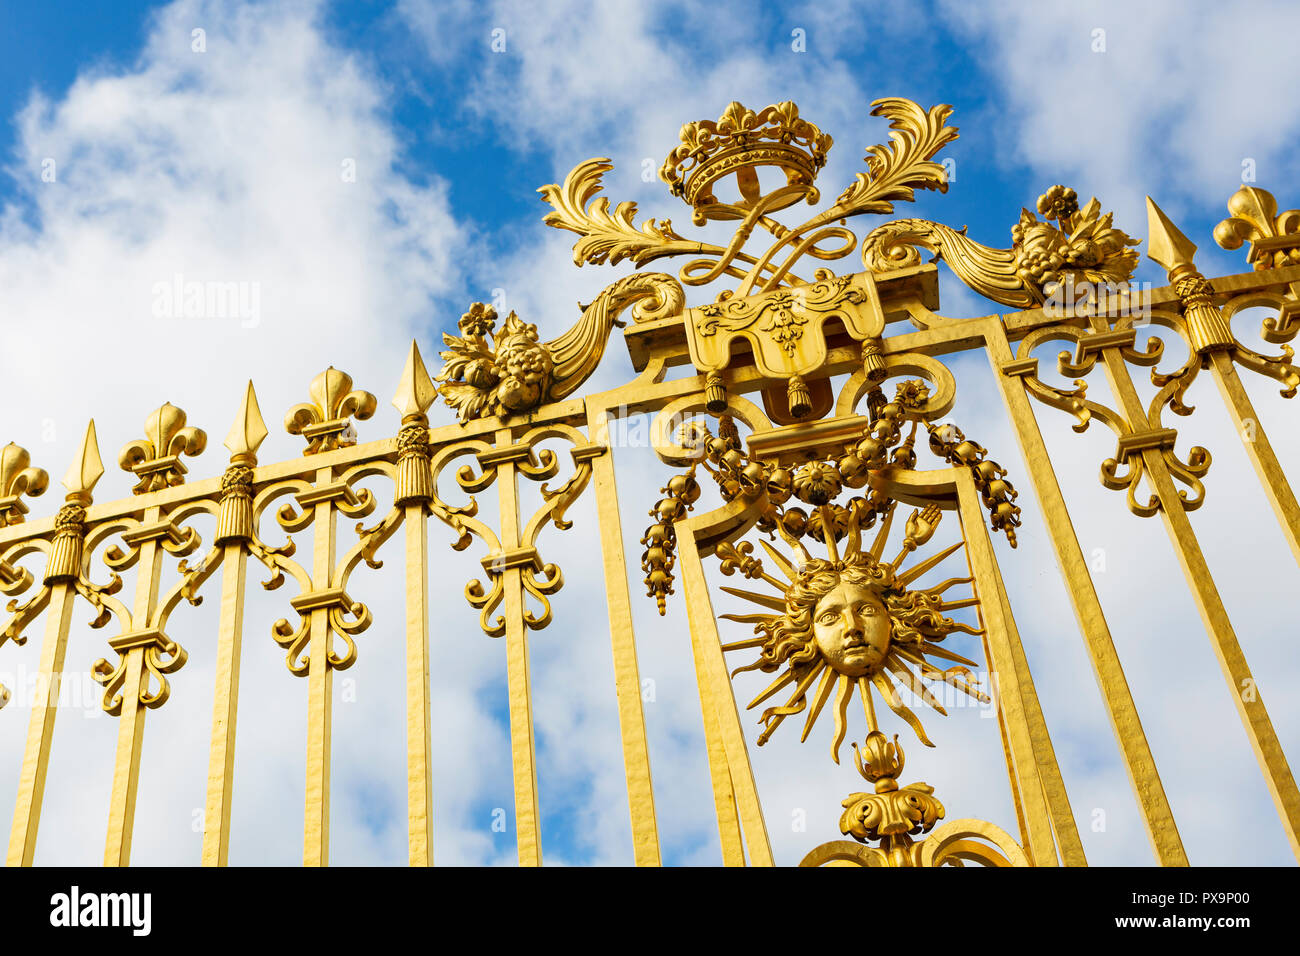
1166 245
1207 330
416 391
248 432
235 519
86 470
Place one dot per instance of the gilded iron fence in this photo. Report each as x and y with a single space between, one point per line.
829 628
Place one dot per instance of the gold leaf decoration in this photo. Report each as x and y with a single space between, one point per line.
607 237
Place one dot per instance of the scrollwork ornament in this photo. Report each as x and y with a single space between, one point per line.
1074 245
490 371
160 656
738 144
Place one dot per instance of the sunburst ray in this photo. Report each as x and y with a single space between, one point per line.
868 703
853 540
913 683
878 637
886 687
819 700
828 531
763 600
747 618
945 585
758 641
772 688
882 536
794 543
780 559
934 650
841 715
904 578
958 677
773 716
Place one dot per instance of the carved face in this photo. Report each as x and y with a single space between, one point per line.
851 627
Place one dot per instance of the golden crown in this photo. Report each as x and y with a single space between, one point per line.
740 142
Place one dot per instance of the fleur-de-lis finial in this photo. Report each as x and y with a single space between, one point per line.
325 420
18 478
1274 240
155 459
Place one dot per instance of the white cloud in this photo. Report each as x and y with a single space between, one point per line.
1122 98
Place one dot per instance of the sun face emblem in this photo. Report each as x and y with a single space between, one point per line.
846 624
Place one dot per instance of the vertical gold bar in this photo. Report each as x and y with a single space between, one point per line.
40 728
522 749
1143 775
983 567
130 729
1245 693
320 683
627 678
1258 447
225 704
1049 772
126 772
419 786
724 794
1012 780
413 488
715 689
1232 661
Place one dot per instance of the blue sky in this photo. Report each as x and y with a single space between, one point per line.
224 164
425 57
444 89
